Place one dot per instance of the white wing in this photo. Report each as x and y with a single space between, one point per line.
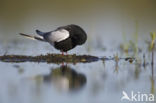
59 35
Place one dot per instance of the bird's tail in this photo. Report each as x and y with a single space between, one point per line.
33 37
40 32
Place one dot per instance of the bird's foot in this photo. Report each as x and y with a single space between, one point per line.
63 53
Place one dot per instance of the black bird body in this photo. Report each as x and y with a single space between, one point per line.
64 38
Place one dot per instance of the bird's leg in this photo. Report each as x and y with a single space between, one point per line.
62 64
62 53
66 53
66 64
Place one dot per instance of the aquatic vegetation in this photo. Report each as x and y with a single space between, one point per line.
144 61
152 44
129 59
20 69
152 85
131 45
153 36
138 66
116 58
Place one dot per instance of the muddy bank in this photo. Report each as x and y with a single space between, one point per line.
58 58
49 58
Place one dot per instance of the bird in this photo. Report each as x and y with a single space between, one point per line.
63 38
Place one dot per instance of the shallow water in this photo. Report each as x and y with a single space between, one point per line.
108 23
96 82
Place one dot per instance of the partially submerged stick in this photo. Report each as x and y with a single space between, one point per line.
49 58
58 58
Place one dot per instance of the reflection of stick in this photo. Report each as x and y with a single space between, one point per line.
144 63
152 63
33 37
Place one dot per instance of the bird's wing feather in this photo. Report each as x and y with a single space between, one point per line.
33 37
59 35
40 32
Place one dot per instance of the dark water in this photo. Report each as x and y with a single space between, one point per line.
109 24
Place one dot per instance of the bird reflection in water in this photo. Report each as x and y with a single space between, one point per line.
65 78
